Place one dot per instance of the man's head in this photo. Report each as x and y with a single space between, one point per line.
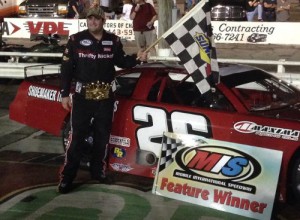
95 20
96 11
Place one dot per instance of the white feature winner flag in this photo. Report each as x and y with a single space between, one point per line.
191 39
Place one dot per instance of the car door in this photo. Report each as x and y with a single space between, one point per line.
159 104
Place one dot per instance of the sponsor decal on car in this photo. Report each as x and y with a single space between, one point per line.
120 141
249 127
121 167
154 121
44 93
118 152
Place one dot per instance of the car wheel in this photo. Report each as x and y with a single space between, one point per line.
88 142
296 180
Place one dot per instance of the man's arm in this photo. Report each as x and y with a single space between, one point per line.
122 60
67 68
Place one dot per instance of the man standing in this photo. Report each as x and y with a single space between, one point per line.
73 9
89 60
143 15
283 10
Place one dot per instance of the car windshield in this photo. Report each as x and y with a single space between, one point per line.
260 91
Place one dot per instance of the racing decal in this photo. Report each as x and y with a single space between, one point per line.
106 42
101 56
93 56
120 141
118 152
86 42
121 167
43 93
87 55
107 49
248 127
218 165
154 121
218 174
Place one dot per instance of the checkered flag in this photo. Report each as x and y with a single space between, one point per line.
169 149
191 39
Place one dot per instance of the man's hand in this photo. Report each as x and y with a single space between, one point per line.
66 103
137 7
142 55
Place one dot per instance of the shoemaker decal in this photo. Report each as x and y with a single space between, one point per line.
44 93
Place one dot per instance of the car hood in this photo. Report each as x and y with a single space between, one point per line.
291 112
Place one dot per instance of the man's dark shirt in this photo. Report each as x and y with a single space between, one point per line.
248 7
86 59
270 2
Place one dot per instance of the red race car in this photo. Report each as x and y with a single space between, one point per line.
248 106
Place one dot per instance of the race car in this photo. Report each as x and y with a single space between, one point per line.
248 106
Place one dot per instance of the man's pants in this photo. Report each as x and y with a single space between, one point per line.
269 15
144 39
82 112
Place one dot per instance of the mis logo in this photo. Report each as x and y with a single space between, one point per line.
219 163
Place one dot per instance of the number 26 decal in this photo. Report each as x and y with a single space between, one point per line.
154 121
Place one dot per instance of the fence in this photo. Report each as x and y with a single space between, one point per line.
14 69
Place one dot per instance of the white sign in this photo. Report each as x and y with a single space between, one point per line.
24 28
230 177
224 32
256 32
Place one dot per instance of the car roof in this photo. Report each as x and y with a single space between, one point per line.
224 69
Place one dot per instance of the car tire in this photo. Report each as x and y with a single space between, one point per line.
295 184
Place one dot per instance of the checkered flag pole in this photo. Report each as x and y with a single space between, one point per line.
191 39
169 149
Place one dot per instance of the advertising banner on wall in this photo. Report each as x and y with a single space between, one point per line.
256 32
230 177
24 28
224 32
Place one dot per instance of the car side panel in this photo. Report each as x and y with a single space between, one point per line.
39 106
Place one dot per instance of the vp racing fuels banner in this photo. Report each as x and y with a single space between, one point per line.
230 177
